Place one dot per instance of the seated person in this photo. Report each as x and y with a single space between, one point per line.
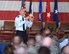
31 46
65 40
47 41
44 50
9 49
20 47
38 38
65 49
55 43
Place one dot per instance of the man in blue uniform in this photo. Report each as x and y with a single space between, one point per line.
21 24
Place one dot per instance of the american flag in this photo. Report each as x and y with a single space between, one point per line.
9 9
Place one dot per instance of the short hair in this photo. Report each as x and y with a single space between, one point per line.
51 29
43 50
44 34
64 48
22 8
21 38
32 38
9 49
66 32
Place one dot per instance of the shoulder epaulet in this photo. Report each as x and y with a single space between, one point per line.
18 16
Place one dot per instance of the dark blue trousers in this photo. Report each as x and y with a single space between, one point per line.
23 34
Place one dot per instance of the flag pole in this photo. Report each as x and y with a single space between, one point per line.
23 5
30 6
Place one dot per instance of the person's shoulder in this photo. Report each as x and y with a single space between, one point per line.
18 16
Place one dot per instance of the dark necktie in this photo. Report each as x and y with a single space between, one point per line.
23 24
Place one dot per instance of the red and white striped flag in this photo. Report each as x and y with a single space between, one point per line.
48 18
9 9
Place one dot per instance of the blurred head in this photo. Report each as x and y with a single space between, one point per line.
9 49
46 32
65 49
31 41
21 50
47 41
22 11
38 38
44 50
17 40
51 29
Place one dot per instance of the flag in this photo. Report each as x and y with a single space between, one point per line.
48 11
55 16
23 4
10 9
40 11
31 8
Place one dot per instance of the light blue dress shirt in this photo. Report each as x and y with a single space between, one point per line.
19 23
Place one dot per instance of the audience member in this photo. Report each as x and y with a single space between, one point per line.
65 49
65 40
38 38
31 46
46 32
20 47
47 41
44 50
9 49
55 43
